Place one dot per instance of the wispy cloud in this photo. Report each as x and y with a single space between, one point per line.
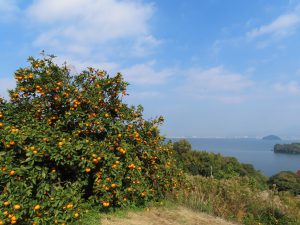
8 10
217 79
216 83
281 27
262 36
291 87
144 45
146 74
92 24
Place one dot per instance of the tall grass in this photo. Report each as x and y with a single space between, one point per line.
239 199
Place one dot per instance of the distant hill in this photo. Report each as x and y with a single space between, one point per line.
293 148
271 137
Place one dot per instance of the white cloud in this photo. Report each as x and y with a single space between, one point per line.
81 26
144 45
216 84
145 74
8 10
291 87
217 79
282 26
78 65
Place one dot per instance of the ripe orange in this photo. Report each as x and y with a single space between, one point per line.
105 204
11 173
37 207
70 206
6 203
16 207
87 170
131 166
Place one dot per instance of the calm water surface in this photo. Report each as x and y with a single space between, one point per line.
254 151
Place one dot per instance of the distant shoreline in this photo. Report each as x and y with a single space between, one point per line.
237 138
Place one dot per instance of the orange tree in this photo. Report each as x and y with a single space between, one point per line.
68 139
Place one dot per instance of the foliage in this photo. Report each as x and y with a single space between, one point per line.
69 139
286 181
239 200
207 164
293 148
182 146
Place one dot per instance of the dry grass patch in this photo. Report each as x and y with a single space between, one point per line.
165 216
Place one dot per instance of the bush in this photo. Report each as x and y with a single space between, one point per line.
206 164
68 140
286 181
182 146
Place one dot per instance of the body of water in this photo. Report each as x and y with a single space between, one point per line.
257 152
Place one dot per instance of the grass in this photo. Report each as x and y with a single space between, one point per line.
236 199
240 200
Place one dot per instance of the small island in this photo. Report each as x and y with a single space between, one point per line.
293 148
271 137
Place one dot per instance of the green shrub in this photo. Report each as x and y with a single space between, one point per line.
286 181
206 164
70 139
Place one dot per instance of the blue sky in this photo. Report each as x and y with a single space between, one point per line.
212 68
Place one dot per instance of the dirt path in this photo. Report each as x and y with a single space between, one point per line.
163 216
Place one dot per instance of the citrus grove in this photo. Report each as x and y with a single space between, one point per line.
69 140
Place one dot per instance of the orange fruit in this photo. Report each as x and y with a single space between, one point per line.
87 170
105 204
37 207
16 207
6 203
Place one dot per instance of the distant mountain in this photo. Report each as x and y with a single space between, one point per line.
271 137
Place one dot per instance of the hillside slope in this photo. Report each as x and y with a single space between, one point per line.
165 216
